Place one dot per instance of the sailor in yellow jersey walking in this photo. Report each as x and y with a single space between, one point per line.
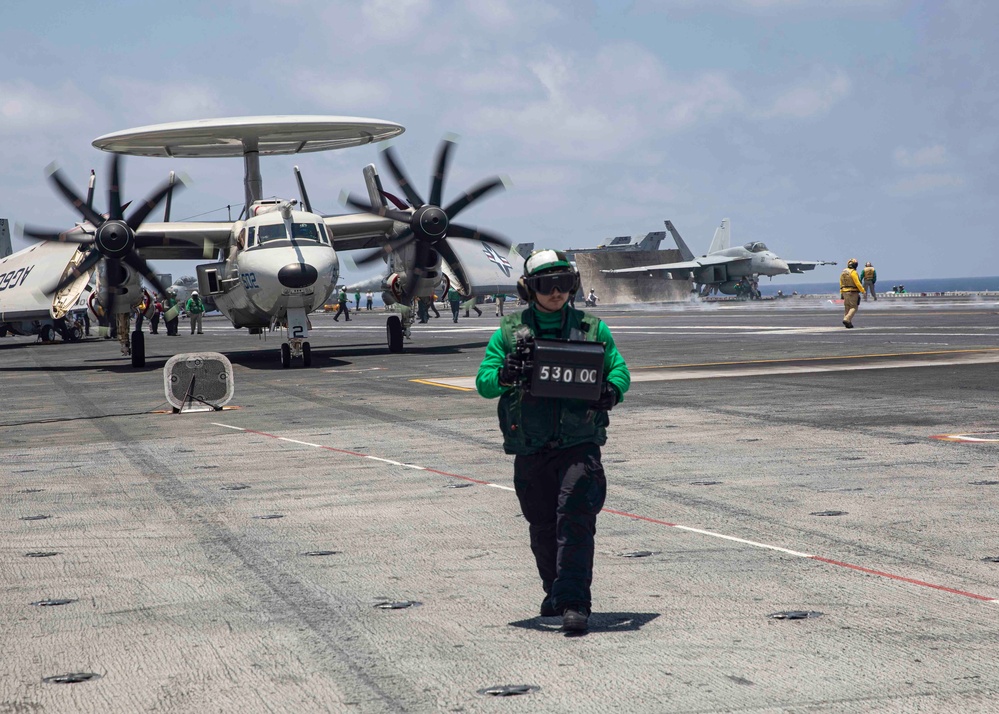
850 289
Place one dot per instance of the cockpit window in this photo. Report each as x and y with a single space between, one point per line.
299 231
755 247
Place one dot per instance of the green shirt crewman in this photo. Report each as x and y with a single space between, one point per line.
558 476
341 305
195 309
869 277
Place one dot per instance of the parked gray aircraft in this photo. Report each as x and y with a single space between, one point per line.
723 268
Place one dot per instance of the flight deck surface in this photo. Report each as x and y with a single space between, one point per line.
765 461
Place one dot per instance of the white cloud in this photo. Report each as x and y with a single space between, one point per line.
395 18
923 183
921 158
335 94
24 106
595 107
810 6
158 102
812 98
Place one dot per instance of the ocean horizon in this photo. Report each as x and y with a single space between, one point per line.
918 285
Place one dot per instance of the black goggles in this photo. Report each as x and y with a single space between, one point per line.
548 283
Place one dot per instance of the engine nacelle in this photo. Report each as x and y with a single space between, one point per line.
393 286
124 287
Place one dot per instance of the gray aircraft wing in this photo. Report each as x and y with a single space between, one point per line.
800 266
360 230
702 262
182 240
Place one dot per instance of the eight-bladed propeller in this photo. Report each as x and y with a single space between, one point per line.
428 224
113 238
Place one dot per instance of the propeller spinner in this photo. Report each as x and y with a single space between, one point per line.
113 239
427 223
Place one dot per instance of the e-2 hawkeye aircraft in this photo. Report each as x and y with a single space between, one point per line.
276 263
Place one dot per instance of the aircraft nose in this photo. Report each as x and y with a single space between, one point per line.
782 264
297 275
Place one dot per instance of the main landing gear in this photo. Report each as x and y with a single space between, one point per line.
397 328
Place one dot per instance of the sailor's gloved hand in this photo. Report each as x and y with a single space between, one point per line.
608 398
512 371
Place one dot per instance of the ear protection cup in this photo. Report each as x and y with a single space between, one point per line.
522 290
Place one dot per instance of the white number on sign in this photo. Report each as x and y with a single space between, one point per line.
543 375
567 375
556 373
587 376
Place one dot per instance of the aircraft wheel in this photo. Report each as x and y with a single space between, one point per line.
75 334
286 355
306 354
393 329
138 349
46 333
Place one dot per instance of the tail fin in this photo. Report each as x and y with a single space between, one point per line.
5 246
721 239
524 249
684 250
374 186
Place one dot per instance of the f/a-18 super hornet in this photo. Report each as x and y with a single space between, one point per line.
724 268
278 261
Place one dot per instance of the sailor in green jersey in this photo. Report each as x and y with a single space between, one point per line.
558 476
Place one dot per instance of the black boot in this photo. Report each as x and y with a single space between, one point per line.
576 618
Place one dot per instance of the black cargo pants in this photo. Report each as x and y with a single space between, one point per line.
561 491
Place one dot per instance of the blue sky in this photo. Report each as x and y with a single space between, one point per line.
832 129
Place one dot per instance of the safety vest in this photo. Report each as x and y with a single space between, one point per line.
532 424
846 284
869 275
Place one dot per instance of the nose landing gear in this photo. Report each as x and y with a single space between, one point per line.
295 349
297 345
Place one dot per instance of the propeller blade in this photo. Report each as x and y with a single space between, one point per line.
404 239
56 235
448 254
440 172
114 190
473 195
134 260
93 258
400 216
142 211
400 176
459 231
64 188
113 273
